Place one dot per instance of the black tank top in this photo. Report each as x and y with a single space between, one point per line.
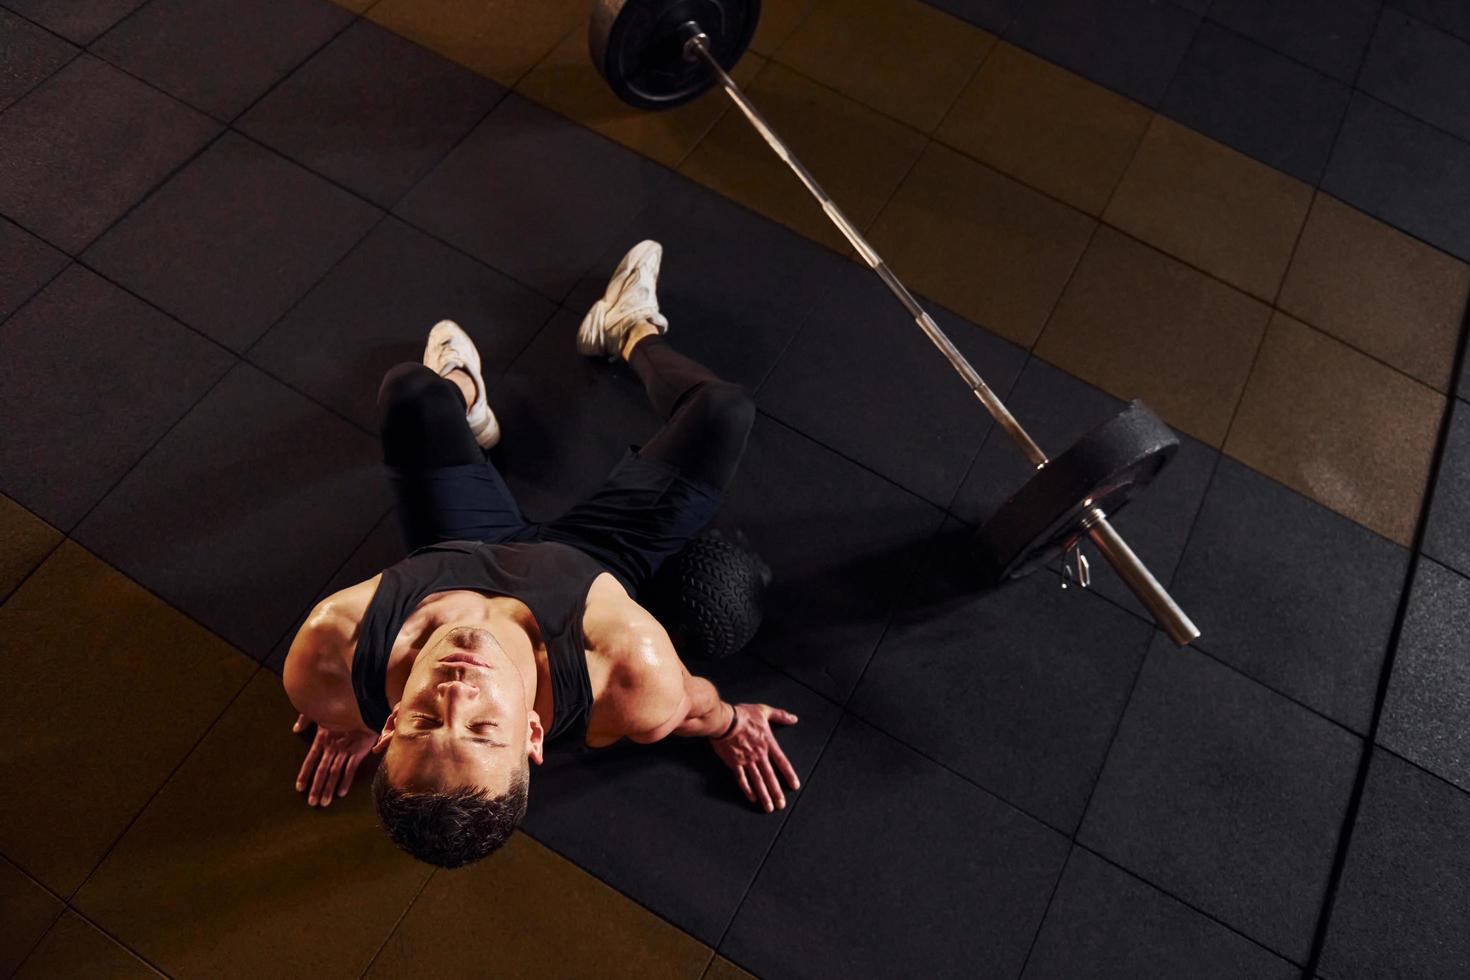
551 579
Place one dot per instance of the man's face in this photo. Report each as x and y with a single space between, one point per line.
463 719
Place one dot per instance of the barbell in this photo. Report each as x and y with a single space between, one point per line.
658 54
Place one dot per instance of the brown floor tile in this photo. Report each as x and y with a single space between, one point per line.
1339 427
778 19
1045 126
857 154
76 948
26 910
229 873
1140 325
1379 290
24 540
566 82
978 242
1214 208
501 39
722 969
356 6
107 689
902 57
535 895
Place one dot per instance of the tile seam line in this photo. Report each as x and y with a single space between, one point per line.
1355 799
397 923
1147 644
1421 767
156 968
80 46
183 760
17 100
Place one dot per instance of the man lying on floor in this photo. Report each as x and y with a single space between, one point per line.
496 636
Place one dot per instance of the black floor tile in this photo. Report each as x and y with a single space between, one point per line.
1107 925
992 15
1448 15
565 420
241 513
233 240
93 377
1018 688
842 544
1291 593
1226 795
220 55
863 379
375 309
734 285
383 547
26 264
1057 409
28 56
1329 35
1404 898
1421 70
1131 46
1404 172
1426 716
892 866
666 824
1447 536
80 21
62 172
1258 101
372 111
536 196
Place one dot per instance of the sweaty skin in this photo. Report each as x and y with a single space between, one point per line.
459 723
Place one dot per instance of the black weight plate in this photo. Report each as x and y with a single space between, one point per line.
1102 471
638 46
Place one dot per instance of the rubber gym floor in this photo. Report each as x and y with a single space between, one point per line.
223 219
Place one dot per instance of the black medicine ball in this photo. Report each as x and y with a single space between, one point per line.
708 596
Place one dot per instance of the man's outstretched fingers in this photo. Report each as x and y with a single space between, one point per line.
745 785
783 716
772 783
787 769
309 765
762 794
301 723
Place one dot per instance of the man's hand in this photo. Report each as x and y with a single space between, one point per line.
330 764
751 752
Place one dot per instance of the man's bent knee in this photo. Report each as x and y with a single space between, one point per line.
724 410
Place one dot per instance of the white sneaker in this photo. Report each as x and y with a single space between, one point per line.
630 299
449 348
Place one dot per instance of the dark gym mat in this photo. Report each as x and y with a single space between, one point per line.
1447 536
1405 890
862 378
1329 35
1122 929
29 56
26 264
889 859
1226 795
1420 69
535 196
82 404
244 510
842 544
667 824
375 309
233 240
372 111
80 21
1131 46
1426 716
1296 596
1404 172
735 286
1263 104
61 175
1018 689
220 55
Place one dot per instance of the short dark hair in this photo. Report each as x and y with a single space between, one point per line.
454 827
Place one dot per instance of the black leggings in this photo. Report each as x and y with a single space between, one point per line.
647 508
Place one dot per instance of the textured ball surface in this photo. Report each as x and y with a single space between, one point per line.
709 595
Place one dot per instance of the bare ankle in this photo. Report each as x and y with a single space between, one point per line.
466 385
643 329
